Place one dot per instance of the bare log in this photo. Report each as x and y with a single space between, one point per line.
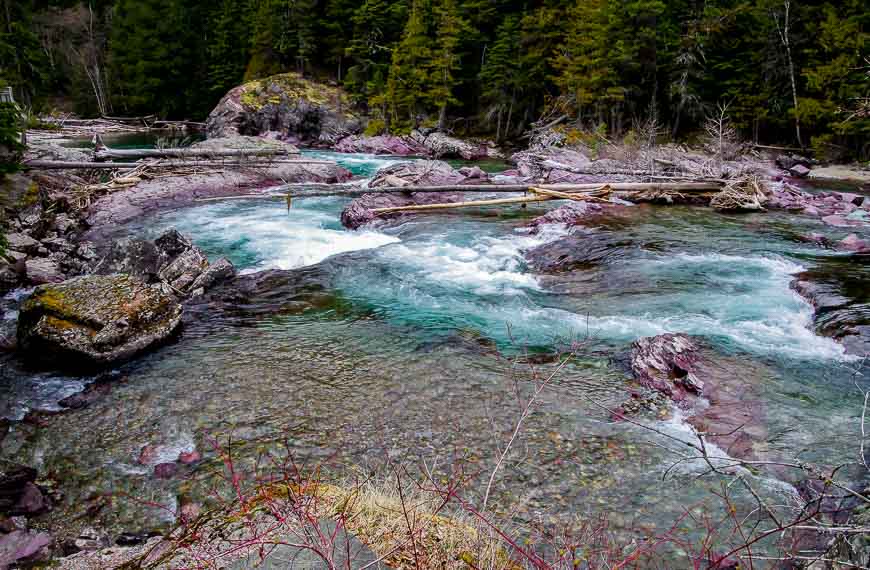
452 205
546 193
226 164
107 154
70 165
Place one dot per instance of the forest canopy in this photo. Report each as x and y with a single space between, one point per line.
791 71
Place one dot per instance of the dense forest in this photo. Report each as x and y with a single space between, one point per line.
790 71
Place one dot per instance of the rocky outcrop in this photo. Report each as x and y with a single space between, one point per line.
422 173
718 394
579 250
171 261
668 364
573 213
844 317
441 145
838 209
97 319
381 144
295 108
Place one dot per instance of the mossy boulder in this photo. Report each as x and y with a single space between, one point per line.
287 105
95 320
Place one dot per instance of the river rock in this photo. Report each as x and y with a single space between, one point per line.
171 259
422 173
846 318
799 171
572 214
22 546
15 479
381 144
667 363
288 104
22 242
42 270
96 319
579 250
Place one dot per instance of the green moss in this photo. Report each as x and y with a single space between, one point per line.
259 93
30 197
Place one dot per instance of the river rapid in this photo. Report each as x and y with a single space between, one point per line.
400 344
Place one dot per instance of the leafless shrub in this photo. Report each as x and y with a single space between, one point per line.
722 138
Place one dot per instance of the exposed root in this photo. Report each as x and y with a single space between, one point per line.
744 194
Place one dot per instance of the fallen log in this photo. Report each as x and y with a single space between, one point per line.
71 165
545 193
108 154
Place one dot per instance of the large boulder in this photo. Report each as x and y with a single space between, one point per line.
419 173
292 106
96 319
171 260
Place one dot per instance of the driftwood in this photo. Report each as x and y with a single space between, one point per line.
582 192
107 154
620 189
67 165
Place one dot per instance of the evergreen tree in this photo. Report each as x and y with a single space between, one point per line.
151 48
409 79
228 45
445 57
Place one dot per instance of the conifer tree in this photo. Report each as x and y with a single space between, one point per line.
409 79
445 57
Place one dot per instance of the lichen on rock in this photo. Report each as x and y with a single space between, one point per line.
96 319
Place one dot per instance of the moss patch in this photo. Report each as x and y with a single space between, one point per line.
277 89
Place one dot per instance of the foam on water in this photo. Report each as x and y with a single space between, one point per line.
456 280
265 235
361 164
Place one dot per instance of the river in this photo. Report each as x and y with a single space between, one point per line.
400 344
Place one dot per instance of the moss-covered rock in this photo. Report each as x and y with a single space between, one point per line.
97 319
288 104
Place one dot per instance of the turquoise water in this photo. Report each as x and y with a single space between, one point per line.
398 343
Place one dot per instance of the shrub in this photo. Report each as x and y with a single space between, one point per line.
10 141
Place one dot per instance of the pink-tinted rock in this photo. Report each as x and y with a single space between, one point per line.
572 213
799 170
189 457
428 173
834 220
811 211
666 363
853 243
855 199
473 172
148 454
20 546
381 144
31 501
165 470
189 511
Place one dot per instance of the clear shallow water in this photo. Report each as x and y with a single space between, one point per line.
395 345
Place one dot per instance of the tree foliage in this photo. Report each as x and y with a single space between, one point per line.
492 66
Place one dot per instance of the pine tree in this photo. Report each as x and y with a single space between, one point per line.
499 75
445 57
228 45
151 57
409 79
265 46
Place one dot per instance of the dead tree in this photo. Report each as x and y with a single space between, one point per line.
783 29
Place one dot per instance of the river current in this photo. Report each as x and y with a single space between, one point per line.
400 344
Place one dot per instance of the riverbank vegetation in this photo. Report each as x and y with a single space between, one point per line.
792 72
